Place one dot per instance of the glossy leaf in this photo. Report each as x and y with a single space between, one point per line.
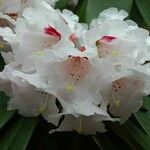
143 117
136 16
7 136
5 115
17 134
22 138
81 10
110 141
146 103
62 4
132 135
143 6
91 8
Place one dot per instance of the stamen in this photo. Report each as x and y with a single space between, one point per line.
39 53
2 45
79 129
124 84
116 101
76 69
42 108
115 53
69 88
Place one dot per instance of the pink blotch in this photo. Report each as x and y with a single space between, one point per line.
73 38
108 38
82 48
76 67
53 32
103 45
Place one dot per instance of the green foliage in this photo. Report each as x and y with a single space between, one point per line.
143 6
5 116
143 117
20 133
91 8
62 4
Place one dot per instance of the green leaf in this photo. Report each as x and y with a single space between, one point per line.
143 6
136 16
62 4
132 135
143 117
40 134
110 141
23 136
8 135
5 115
18 134
90 9
146 103
81 10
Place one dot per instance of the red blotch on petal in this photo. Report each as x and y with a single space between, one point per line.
53 32
73 38
82 48
76 67
108 38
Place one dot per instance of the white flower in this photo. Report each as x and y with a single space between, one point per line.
126 93
83 125
32 37
77 87
114 40
78 29
26 98
93 73
124 99
109 14
14 8
69 17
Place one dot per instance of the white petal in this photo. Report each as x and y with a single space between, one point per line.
83 125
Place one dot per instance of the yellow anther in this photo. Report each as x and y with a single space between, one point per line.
117 102
39 53
41 109
69 88
2 45
79 129
114 53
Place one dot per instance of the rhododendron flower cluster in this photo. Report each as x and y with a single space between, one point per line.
57 67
